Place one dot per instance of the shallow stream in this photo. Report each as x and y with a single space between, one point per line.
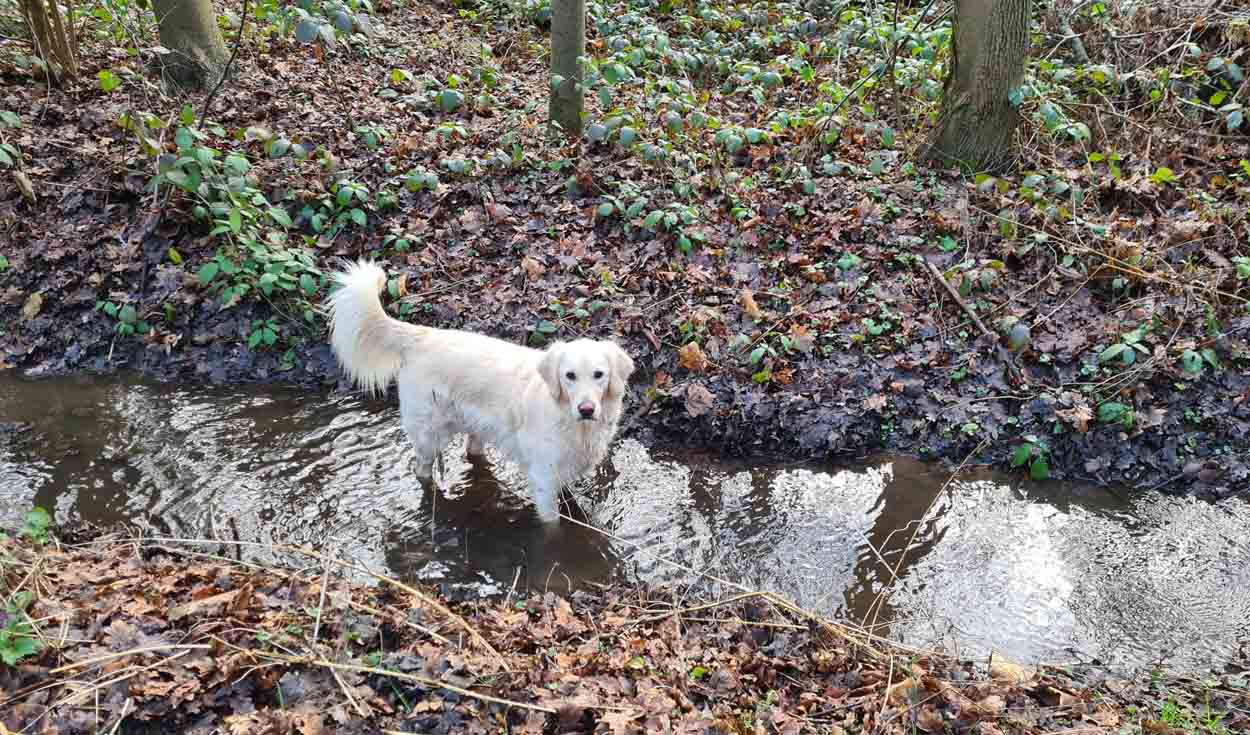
1042 571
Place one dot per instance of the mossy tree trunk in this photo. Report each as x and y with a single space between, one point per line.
978 119
188 28
568 45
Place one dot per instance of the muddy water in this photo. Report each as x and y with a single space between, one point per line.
1046 572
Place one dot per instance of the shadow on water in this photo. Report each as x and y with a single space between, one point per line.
1049 571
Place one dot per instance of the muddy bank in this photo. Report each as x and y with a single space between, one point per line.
158 635
1191 436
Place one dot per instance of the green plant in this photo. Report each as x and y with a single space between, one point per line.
18 638
36 525
264 332
128 321
9 155
108 80
1036 454
1112 412
1127 348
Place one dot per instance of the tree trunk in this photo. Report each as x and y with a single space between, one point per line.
188 28
54 41
568 45
978 120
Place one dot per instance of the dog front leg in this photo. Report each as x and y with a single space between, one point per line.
546 498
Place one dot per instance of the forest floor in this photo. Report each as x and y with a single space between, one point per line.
109 633
745 214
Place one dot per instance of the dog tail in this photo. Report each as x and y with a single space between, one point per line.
367 341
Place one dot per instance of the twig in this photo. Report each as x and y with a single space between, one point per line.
133 652
937 276
325 580
697 608
432 683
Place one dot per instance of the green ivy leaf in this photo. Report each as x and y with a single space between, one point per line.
1112 352
1022 454
108 80
280 216
208 272
1040 469
1111 412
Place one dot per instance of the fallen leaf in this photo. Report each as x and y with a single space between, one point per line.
691 357
802 337
875 402
1078 417
24 186
747 299
32 306
930 720
1007 672
207 606
905 691
532 267
698 400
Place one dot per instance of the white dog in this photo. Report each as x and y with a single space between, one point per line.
552 411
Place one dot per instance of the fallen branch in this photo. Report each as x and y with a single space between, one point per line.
937 276
1003 354
121 654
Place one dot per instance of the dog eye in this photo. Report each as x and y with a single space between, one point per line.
571 375
598 374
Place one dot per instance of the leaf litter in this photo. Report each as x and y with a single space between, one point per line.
158 635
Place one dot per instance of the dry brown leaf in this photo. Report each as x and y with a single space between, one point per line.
1078 417
32 306
698 400
875 402
1007 672
24 186
802 337
747 299
691 357
904 691
930 720
1105 716
620 721
532 267
208 606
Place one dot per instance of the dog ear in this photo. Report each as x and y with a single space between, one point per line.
549 369
622 368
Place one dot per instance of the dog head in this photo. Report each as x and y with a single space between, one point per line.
584 374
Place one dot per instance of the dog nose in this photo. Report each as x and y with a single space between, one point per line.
586 409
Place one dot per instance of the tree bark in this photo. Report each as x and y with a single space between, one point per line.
188 28
53 40
978 120
568 45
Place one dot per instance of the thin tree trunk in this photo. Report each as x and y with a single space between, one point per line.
978 120
53 39
568 45
188 28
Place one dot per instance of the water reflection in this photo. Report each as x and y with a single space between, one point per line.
1050 571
